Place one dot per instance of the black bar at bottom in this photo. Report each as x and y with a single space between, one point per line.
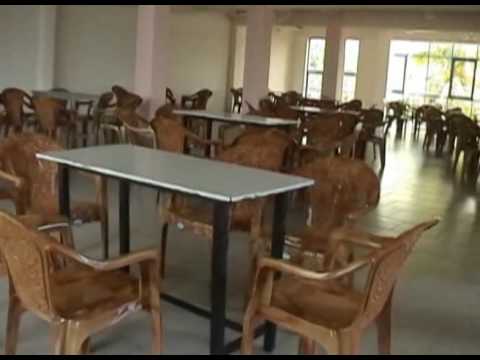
124 216
278 241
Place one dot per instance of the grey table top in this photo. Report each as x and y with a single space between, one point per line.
316 110
210 179
68 96
237 118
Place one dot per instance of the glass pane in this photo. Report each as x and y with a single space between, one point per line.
476 110
442 50
316 54
462 82
465 105
352 48
416 75
397 73
348 88
468 51
314 86
438 77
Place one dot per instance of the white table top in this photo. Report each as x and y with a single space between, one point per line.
316 110
69 96
214 180
237 118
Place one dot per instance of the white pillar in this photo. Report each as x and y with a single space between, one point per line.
257 54
152 55
333 44
47 20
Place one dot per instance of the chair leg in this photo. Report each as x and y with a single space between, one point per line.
384 328
349 344
383 154
164 249
248 335
58 338
306 347
15 311
457 157
75 339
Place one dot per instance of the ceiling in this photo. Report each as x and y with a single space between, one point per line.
433 8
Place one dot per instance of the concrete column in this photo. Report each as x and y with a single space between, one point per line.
333 45
257 54
46 38
152 55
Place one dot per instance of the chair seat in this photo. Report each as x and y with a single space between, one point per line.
80 291
326 304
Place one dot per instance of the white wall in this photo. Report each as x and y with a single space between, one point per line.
95 47
282 58
18 46
200 54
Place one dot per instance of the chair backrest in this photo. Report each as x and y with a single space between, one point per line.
22 250
320 103
170 135
371 119
353 105
137 129
343 188
126 99
397 109
386 266
170 97
263 150
292 98
332 127
13 100
283 110
198 101
105 100
18 157
48 112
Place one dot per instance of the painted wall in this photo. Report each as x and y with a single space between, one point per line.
18 46
95 47
200 52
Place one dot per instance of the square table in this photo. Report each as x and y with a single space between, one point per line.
234 119
222 183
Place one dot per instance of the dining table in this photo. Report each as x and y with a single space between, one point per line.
223 184
234 119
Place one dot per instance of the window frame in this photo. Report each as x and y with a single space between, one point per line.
452 72
314 72
349 73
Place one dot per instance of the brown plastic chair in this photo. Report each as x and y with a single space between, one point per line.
345 190
436 129
79 299
246 216
323 312
170 97
16 101
52 116
292 98
372 119
36 184
353 105
101 115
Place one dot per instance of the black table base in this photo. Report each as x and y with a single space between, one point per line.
219 265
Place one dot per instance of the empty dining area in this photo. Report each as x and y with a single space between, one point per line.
239 179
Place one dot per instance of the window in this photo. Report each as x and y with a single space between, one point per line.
350 67
314 68
435 72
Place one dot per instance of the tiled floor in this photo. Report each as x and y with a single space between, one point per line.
435 306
